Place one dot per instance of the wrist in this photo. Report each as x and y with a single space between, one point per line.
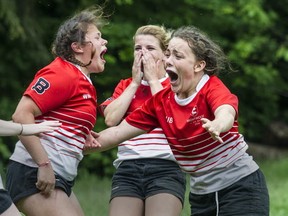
44 164
134 84
21 129
153 81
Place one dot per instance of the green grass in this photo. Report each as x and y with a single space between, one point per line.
277 179
93 193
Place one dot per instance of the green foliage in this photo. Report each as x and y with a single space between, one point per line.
252 33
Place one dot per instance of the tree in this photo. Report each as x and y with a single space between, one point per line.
252 33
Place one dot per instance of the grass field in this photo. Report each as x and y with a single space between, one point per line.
93 193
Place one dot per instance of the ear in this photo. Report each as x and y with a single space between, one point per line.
199 66
76 47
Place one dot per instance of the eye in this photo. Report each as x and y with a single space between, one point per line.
167 54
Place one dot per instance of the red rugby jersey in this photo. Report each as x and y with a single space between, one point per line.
63 93
149 145
192 145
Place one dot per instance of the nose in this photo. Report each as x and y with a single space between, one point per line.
105 42
167 60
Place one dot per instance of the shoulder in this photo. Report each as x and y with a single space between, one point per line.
60 68
163 94
215 84
124 82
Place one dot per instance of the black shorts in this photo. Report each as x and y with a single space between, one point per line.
248 196
5 200
21 179
142 178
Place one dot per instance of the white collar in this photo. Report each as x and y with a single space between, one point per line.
144 82
199 86
79 68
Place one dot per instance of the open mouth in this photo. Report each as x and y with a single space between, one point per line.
102 54
173 76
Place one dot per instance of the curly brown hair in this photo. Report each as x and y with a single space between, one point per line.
204 49
74 30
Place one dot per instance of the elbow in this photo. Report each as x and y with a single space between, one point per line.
16 117
110 123
21 116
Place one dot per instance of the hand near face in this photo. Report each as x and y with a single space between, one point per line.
151 66
137 74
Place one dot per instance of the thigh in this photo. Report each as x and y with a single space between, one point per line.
163 204
57 204
126 206
12 210
75 202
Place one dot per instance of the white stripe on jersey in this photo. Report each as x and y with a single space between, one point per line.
149 145
221 157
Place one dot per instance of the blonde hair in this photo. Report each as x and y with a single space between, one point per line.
160 32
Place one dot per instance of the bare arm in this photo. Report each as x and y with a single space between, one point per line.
224 118
9 128
25 114
112 136
115 111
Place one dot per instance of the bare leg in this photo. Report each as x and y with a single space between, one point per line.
126 206
76 204
11 211
57 204
163 204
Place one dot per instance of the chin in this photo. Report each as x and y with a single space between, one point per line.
175 90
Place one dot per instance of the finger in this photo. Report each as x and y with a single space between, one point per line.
218 138
96 143
95 134
158 63
39 185
49 187
204 120
47 191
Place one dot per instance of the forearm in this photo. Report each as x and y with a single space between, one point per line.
9 128
31 143
155 86
224 117
111 137
35 149
116 110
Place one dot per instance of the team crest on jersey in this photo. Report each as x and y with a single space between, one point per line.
41 86
195 118
194 111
